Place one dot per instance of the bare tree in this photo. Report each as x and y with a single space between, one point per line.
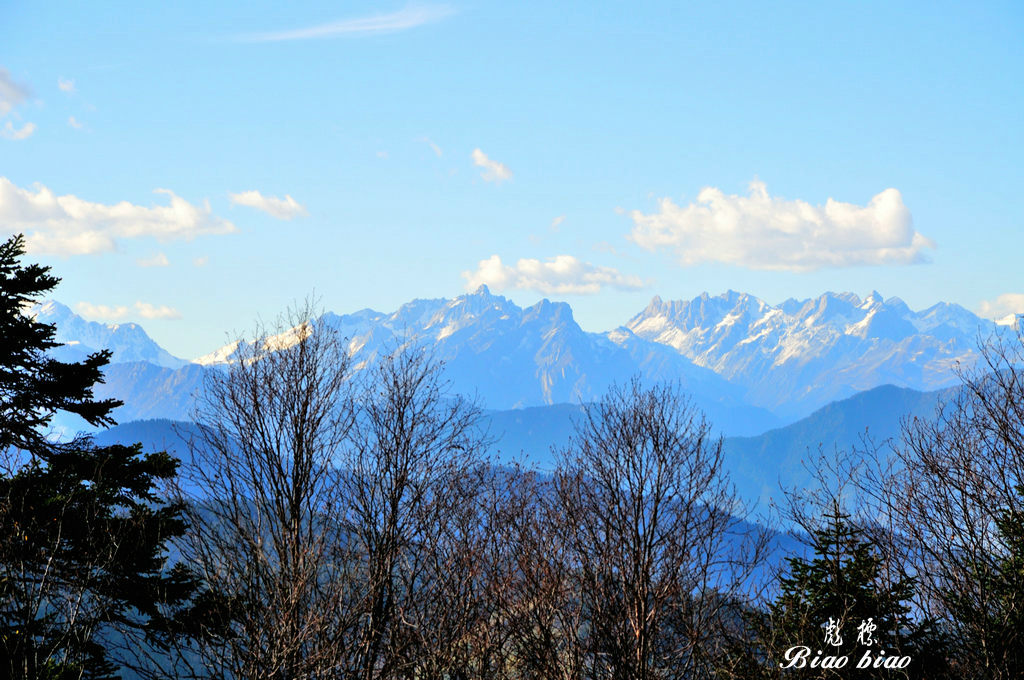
655 549
543 608
414 475
953 483
267 512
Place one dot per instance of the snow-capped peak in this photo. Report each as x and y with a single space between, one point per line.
128 342
814 350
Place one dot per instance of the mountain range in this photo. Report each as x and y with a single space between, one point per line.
799 355
749 365
759 466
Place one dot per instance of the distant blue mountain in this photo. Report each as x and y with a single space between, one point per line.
532 435
759 466
748 365
158 434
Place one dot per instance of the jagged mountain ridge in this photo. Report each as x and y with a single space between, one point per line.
741 358
799 355
514 357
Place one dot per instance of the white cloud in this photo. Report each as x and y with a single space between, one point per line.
759 231
10 132
148 311
11 93
120 312
563 274
201 261
493 171
75 123
158 260
68 225
557 222
104 312
1002 307
66 85
282 208
409 17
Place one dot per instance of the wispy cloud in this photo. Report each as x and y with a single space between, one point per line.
141 309
69 225
433 147
17 134
759 231
75 123
282 208
493 171
66 85
562 275
404 19
148 311
158 260
556 223
605 247
11 93
201 261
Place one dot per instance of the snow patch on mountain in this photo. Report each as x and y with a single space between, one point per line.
801 354
127 341
746 362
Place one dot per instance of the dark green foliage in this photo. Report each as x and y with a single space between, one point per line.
83 554
842 582
32 385
83 530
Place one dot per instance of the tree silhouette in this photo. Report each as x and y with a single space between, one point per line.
83 530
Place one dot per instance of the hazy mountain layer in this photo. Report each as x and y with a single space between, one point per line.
759 466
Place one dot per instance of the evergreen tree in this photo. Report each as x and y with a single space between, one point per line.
837 603
34 386
83 531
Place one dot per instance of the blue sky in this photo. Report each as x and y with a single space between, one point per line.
596 153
